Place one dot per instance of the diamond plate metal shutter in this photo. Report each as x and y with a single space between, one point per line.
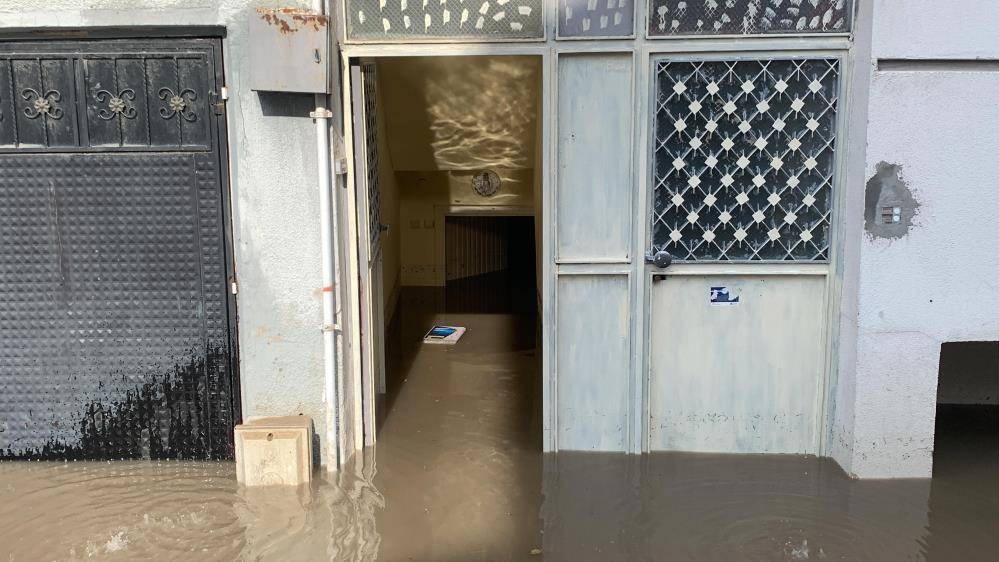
113 275
748 17
743 159
482 20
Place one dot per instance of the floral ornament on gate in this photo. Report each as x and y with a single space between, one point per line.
178 104
42 104
117 106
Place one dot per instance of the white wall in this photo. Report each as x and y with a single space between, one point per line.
933 133
274 199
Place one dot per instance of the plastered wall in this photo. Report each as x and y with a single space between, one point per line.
274 198
932 135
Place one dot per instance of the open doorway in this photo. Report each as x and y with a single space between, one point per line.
965 447
450 236
967 422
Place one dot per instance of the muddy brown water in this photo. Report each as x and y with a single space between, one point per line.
458 476
511 506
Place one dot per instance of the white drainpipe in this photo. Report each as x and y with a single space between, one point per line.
322 117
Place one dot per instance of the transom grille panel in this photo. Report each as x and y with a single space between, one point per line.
743 158
747 17
381 20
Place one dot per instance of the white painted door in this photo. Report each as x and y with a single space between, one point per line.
593 254
365 104
743 177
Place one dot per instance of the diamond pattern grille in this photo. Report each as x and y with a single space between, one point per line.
744 159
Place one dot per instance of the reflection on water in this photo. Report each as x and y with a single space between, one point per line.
132 510
458 477
585 507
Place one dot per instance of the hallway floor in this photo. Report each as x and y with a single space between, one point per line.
458 416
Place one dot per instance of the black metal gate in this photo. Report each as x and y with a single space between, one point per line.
116 319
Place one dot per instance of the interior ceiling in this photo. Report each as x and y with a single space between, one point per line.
460 113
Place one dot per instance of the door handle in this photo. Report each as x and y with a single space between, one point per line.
661 259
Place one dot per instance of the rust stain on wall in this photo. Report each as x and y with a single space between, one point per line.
289 20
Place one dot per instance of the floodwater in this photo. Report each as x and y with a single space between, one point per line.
458 476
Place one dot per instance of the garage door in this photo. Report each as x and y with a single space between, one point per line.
115 312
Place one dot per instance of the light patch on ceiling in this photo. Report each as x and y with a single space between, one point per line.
461 113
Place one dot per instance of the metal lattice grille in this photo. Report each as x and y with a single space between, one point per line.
454 19
743 159
596 18
747 17
371 142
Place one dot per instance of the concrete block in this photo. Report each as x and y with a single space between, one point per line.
274 451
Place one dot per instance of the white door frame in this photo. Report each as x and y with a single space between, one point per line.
369 250
349 312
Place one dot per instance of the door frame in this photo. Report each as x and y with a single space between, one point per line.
353 343
369 252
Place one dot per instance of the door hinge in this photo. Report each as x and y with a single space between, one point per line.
233 286
218 101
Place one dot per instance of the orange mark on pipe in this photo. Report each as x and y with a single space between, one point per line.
328 289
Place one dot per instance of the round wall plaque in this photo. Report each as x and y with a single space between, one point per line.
486 183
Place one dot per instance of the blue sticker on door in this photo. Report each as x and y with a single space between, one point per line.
722 296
